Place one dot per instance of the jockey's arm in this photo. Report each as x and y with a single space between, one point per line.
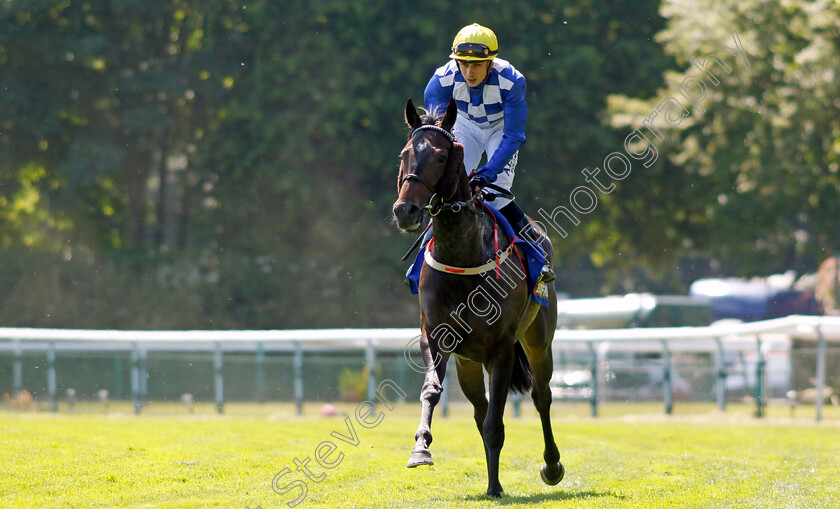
436 96
516 117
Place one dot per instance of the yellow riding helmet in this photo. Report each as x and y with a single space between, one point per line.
475 43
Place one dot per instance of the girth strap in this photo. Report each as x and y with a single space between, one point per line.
465 271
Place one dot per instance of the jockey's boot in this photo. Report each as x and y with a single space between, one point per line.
523 228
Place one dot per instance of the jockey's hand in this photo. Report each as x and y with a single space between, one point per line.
489 175
478 182
481 177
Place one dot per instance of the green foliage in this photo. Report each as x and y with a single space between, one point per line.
319 115
102 292
750 183
352 384
248 150
105 98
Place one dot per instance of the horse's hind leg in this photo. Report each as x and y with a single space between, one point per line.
435 366
471 379
541 363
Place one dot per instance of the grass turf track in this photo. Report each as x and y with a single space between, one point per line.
632 457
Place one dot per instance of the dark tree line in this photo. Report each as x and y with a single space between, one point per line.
178 164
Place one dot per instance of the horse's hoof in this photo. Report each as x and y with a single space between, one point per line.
554 475
420 457
495 493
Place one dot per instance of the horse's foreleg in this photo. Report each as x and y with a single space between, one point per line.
494 427
435 366
541 363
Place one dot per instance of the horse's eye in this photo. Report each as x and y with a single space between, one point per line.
441 157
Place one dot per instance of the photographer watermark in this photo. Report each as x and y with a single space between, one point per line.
328 454
641 144
479 302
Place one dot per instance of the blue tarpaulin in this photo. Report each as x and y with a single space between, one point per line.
753 300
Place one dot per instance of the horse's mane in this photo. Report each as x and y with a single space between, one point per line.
432 117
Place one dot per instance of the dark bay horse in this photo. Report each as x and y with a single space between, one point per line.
474 299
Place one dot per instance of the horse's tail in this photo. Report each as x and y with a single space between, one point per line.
521 381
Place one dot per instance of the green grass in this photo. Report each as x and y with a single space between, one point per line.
633 456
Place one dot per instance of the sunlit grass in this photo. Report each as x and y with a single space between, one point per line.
631 456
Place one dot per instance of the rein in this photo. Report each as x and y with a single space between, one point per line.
437 204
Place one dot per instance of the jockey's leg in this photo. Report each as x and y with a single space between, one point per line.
522 227
472 138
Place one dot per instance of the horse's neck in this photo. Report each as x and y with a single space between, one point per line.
461 239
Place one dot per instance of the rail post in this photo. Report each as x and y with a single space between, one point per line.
818 404
219 381
51 383
667 391
298 377
17 368
759 379
721 377
135 376
370 359
260 392
144 374
593 370
118 376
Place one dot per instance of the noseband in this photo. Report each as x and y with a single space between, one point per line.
436 203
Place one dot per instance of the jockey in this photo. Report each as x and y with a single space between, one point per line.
490 94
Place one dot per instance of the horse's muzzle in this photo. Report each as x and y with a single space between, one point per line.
409 216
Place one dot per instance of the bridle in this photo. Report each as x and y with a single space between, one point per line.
436 203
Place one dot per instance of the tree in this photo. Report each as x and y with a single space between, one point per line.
106 102
751 182
313 131
240 158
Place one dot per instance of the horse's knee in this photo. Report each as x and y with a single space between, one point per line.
542 400
431 392
494 435
479 413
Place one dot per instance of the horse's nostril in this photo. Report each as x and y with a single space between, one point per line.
406 210
407 215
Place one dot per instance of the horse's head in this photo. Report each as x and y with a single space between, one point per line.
430 165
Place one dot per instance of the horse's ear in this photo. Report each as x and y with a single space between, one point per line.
411 116
450 116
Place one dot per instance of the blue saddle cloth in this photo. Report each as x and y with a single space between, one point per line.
534 259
